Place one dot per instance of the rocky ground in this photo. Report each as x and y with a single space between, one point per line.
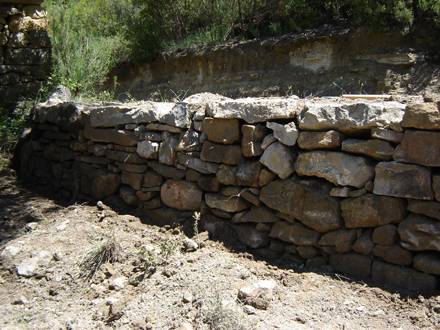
83 266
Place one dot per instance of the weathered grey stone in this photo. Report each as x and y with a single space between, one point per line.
430 209
131 168
307 200
385 235
232 191
340 191
179 116
218 153
307 252
181 195
357 192
148 149
364 244
418 233
394 254
197 164
120 137
28 267
209 183
104 184
320 140
227 174
259 214
352 264
422 116
267 141
386 134
351 117
253 136
419 147
152 136
403 180
427 262
402 277
167 151
377 149
189 141
266 177
248 174
68 116
134 180
255 110
286 134
129 196
163 128
250 197
279 159
166 171
249 235
295 233
341 239
225 131
372 211
124 157
436 186
225 203
128 113
337 167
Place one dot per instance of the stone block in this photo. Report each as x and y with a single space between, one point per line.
436 186
227 175
342 239
197 164
166 171
189 141
371 211
295 233
427 262
376 149
218 153
181 195
225 131
364 244
134 180
351 264
337 167
307 252
225 203
253 136
279 159
385 235
104 184
430 209
419 233
209 183
259 214
386 134
19 23
249 235
422 116
419 147
266 177
167 151
124 157
320 140
131 168
403 180
394 254
116 136
402 277
286 134
146 195
147 149
129 196
248 174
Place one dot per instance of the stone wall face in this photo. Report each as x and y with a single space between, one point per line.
25 47
353 184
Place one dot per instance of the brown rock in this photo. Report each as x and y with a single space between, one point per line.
372 211
152 179
352 264
218 153
129 196
295 233
320 140
418 233
227 174
148 149
132 168
267 176
341 239
377 149
120 137
222 214
403 180
427 262
250 197
307 252
279 159
209 183
134 180
249 235
436 186
146 195
253 136
228 204
248 173
402 277
430 209
166 171
167 151
419 147
104 184
386 134
197 164
394 254
385 235
337 167
307 200
259 214
226 131
364 243
192 175
124 157
181 195
422 116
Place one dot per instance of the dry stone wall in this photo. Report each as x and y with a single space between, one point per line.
350 183
25 47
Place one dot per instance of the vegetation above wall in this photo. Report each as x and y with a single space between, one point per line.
90 38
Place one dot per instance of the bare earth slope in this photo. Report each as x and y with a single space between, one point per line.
156 284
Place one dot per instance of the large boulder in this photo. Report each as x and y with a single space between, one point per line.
337 167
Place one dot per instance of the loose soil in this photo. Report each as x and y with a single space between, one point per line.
153 283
